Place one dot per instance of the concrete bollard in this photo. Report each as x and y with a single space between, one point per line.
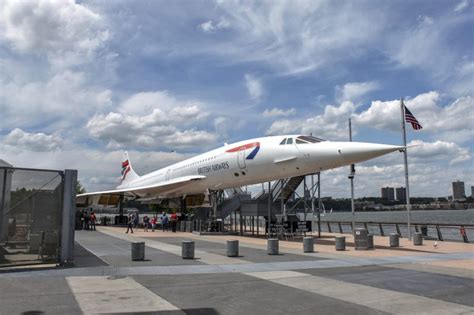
394 240
418 239
361 239
272 246
187 250
370 241
138 251
340 243
232 248
189 226
308 244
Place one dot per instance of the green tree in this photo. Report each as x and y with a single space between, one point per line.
79 188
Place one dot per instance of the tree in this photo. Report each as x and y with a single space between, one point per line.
79 188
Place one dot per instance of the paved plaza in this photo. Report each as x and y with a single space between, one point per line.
405 280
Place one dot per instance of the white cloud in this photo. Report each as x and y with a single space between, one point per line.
97 169
330 124
65 32
32 141
438 150
210 26
452 121
164 106
64 97
353 91
278 112
254 86
297 36
462 5
152 119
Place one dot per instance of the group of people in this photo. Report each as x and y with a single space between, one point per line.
166 221
88 220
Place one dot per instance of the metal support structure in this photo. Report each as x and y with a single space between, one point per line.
68 223
351 177
305 195
282 204
269 208
319 205
121 206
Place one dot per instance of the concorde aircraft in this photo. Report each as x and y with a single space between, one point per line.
238 164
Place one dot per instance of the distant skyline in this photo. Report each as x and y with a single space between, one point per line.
82 81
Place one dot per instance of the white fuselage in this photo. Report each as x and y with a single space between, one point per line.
261 160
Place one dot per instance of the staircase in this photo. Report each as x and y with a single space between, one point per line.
289 187
232 204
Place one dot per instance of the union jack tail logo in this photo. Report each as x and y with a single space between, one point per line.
252 154
125 169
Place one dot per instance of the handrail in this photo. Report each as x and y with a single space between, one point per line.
400 222
462 227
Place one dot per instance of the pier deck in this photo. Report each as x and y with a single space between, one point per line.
409 279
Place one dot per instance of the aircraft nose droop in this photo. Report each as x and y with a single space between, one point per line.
355 152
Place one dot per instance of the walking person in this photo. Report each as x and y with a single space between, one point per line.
130 222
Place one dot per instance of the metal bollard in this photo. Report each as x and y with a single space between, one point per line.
418 239
394 240
187 250
340 243
138 251
370 241
308 244
232 248
272 246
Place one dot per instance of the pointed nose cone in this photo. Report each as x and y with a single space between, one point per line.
355 152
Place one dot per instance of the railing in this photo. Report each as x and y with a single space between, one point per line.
463 230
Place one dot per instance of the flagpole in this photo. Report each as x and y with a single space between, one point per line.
407 189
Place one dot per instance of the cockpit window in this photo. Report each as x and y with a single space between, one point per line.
310 139
283 141
299 141
289 141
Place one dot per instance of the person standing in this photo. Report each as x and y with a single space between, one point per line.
174 221
145 223
87 218
130 222
92 220
165 220
83 220
153 223
136 220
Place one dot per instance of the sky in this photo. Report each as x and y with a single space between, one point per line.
82 81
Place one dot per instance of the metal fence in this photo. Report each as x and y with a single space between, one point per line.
32 216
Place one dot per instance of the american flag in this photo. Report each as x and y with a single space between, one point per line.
412 120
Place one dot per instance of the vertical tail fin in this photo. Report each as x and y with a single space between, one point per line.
128 174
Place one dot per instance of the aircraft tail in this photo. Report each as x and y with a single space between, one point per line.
128 174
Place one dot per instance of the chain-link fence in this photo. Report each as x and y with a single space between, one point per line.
31 207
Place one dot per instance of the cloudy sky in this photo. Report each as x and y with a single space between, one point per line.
82 81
